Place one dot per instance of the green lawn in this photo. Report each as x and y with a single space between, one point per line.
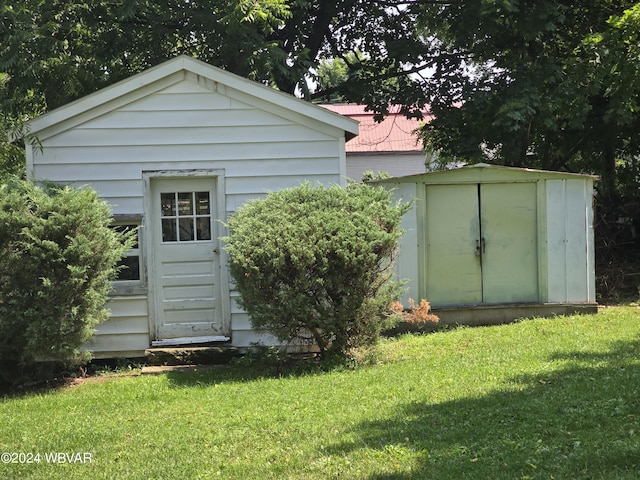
554 398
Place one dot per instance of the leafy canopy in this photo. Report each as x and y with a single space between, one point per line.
537 83
54 52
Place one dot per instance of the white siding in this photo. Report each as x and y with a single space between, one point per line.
126 333
396 165
192 124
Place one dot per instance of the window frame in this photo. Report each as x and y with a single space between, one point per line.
131 287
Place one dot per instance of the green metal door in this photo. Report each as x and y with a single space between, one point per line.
509 258
453 273
481 244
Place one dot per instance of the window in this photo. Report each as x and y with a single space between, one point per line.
131 277
185 216
130 261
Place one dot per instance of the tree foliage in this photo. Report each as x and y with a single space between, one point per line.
55 52
537 83
58 256
315 264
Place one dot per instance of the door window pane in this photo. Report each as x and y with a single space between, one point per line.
203 228
185 216
168 202
185 203
169 233
186 229
202 203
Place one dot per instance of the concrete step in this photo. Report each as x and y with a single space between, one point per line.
198 355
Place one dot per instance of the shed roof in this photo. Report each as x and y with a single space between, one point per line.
173 71
395 134
483 172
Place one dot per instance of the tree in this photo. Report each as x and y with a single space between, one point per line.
314 264
332 73
539 83
536 83
53 51
11 156
58 256
56 52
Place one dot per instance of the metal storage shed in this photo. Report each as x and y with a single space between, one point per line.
488 244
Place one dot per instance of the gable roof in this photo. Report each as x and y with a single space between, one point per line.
395 134
171 72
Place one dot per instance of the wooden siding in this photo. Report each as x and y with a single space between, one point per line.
396 165
188 125
126 333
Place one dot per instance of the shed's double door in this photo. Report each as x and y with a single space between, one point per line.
481 243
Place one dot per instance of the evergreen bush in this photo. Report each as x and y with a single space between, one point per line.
58 256
314 264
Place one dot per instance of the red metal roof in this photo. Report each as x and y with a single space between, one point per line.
395 133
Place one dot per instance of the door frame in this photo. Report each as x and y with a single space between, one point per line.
218 215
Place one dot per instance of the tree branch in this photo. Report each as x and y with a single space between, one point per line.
389 3
384 76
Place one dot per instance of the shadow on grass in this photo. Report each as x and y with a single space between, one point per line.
581 421
21 381
284 367
213 375
203 375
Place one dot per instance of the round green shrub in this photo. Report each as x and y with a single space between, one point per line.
314 264
58 256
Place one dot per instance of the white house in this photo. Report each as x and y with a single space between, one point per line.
488 244
390 146
174 150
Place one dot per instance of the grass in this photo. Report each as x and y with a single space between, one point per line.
546 398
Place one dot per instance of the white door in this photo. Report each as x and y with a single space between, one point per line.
185 277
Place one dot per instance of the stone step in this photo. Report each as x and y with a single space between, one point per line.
198 355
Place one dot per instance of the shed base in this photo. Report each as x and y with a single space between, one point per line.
477 315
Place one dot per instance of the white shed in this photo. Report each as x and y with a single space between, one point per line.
488 244
174 150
